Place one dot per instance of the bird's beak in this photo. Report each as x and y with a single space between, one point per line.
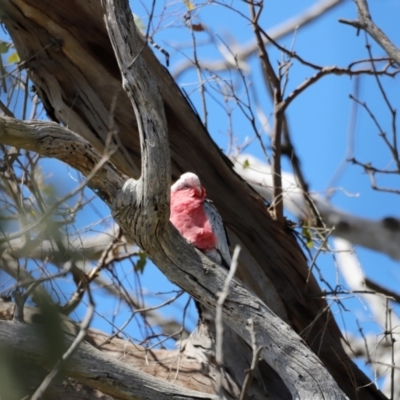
200 191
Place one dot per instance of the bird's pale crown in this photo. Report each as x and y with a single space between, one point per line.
188 180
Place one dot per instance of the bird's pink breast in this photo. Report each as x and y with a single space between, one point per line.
188 216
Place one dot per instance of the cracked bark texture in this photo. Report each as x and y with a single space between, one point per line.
78 79
100 369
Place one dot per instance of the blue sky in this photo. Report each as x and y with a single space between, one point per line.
319 122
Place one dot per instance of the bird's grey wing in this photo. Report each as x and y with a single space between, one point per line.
219 231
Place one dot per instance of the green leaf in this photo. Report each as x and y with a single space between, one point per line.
4 46
14 58
49 191
246 164
189 5
305 231
141 262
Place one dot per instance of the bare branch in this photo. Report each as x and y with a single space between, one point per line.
53 140
333 70
275 81
380 235
365 22
219 327
244 52
91 367
254 362
382 290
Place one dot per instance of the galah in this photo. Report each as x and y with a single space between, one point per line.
197 220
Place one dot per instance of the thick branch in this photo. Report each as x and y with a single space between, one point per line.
150 192
52 140
91 367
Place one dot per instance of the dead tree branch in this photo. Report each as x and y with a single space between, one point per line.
91 367
365 22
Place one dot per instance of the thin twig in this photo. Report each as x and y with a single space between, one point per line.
143 311
382 290
320 248
218 319
392 340
254 362
86 279
392 110
275 81
20 299
74 345
104 159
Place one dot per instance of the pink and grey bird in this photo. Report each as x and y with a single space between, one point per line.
197 220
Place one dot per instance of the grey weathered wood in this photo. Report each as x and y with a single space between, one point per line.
180 367
91 367
52 140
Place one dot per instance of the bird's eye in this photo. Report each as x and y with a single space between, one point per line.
186 186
